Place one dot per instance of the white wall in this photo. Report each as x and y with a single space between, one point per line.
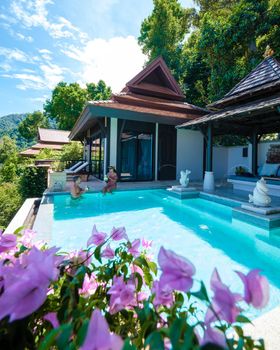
190 153
220 162
113 141
234 156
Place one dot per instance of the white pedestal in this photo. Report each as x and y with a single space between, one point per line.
57 181
182 189
208 184
261 210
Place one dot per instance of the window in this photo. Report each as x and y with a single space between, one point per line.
245 152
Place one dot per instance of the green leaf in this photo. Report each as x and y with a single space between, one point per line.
176 330
139 281
63 339
128 346
50 338
155 341
243 319
18 231
97 253
202 293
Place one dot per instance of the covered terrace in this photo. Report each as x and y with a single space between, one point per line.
250 109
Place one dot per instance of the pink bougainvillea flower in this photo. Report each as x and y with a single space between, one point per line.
7 241
122 294
133 250
108 252
45 261
163 296
224 301
177 271
96 237
146 244
256 288
25 295
136 268
27 238
52 318
213 336
26 283
118 233
89 285
98 335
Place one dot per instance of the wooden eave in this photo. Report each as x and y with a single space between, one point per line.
262 114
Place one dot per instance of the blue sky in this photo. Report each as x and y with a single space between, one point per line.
43 42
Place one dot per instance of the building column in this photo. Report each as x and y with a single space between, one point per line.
254 141
208 184
156 153
113 141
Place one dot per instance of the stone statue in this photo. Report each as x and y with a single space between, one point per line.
260 196
184 179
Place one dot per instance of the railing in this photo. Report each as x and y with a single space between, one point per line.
96 167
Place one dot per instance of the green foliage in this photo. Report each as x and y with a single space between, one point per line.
228 40
71 151
28 128
163 32
7 148
33 181
68 101
47 153
10 201
9 127
99 91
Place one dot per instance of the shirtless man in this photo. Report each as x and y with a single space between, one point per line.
76 190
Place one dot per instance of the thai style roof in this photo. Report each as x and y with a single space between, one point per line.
265 77
48 139
153 95
252 103
53 135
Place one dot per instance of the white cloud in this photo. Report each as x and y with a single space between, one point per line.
115 61
46 54
14 54
27 38
33 13
41 99
5 67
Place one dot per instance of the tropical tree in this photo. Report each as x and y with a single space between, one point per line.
68 101
164 31
66 104
7 148
29 126
99 91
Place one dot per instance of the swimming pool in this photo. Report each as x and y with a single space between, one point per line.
198 229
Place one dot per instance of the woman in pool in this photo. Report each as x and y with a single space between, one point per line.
111 180
76 190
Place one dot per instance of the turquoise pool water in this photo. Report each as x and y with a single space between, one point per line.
198 229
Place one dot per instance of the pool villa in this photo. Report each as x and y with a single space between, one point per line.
150 134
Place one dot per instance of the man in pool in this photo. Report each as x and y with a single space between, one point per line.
76 190
111 180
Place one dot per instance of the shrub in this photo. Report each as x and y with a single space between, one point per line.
33 181
72 151
10 201
75 301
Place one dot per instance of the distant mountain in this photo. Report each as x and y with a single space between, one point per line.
9 126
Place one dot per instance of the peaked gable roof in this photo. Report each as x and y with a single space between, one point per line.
266 72
53 135
155 80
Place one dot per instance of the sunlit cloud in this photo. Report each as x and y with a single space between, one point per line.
115 61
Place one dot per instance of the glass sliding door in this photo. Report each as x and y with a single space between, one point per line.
136 156
145 157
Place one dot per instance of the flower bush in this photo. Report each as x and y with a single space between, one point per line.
112 296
